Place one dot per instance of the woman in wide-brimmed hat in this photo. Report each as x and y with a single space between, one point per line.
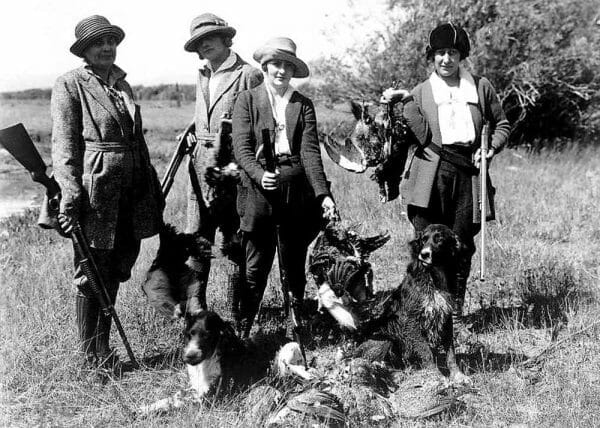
101 162
291 200
441 178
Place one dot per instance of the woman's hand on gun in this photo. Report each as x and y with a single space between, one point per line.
270 180
477 156
66 223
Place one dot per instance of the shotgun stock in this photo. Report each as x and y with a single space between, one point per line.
17 142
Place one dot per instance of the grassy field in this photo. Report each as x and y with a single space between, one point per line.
540 295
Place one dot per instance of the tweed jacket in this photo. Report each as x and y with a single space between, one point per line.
239 77
92 150
422 163
251 115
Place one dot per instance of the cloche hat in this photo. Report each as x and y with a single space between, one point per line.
90 29
284 49
206 24
446 36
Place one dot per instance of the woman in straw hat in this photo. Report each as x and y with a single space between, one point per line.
284 206
101 162
223 75
441 183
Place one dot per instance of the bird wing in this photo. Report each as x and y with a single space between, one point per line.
347 155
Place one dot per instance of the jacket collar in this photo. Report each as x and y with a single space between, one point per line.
265 114
91 84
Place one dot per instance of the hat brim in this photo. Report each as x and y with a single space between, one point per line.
267 54
190 45
81 44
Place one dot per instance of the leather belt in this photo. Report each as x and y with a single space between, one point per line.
110 146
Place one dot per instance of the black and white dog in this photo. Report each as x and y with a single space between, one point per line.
413 323
218 360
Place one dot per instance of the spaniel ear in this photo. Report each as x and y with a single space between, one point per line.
357 110
415 244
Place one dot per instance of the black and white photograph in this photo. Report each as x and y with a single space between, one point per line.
342 213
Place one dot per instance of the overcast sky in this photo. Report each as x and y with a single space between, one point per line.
36 34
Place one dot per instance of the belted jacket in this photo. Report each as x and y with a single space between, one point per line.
99 155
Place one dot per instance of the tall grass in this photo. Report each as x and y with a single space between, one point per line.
542 256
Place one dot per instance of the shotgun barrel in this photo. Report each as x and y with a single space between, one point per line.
183 148
290 310
485 132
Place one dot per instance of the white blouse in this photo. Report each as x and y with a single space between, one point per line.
278 105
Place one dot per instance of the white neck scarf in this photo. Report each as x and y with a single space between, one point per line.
454 115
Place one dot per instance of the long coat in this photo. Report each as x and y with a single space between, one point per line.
89 159
253 114
239 77
422 163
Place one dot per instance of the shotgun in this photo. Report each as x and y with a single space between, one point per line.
290 310
485 132
183 148
17 142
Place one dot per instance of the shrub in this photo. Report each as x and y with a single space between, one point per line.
540 56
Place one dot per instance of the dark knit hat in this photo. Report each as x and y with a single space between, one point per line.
281 48
90 29
206 24
448 36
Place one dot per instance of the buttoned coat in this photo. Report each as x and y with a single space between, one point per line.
84 117
239 77
253 114
422 164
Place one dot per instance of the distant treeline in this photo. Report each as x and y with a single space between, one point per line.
171 92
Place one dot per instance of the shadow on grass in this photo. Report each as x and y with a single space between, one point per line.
483 361
543 297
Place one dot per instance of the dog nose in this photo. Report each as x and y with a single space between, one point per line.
425 253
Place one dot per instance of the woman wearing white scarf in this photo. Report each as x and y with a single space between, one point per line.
441 177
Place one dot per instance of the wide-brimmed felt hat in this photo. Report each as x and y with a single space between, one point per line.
447 36
206 24
284 49
90 29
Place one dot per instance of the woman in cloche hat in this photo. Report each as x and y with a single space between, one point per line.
290 201
224 75
441 181
102 165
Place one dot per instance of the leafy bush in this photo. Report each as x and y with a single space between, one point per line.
540 56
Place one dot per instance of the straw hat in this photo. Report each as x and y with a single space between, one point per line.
206 24
90 29
284 49
446 36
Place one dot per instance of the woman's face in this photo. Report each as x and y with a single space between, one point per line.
446 62
279 73
102 52
212 48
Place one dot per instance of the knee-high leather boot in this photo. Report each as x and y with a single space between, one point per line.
234 288
87 311
106 356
